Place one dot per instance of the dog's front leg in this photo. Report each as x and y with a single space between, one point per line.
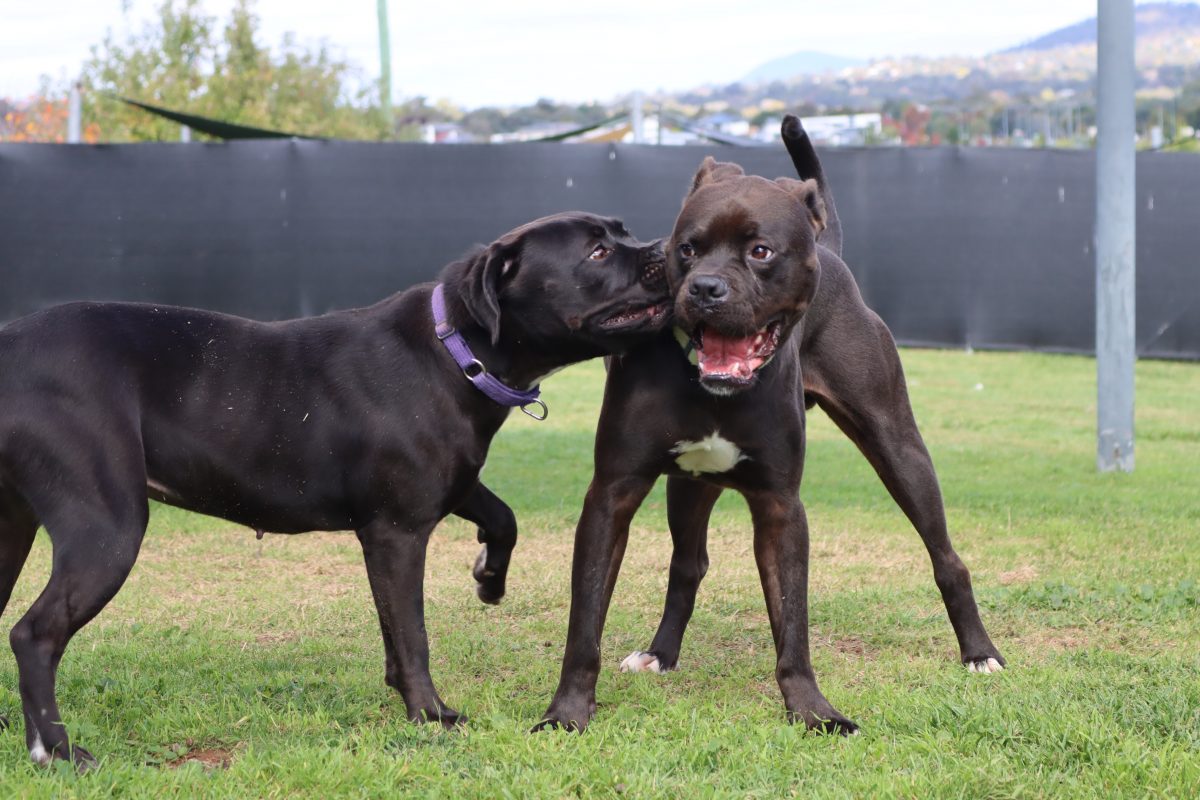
498 535
599 547
395 558
781 550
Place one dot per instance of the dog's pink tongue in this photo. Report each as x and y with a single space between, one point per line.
726 355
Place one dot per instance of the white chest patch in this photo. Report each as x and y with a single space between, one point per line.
710 454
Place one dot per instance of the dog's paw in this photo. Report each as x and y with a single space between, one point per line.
829 723
63 751
984 666
572 714
448 718
838 726
489 581
637 661
38 752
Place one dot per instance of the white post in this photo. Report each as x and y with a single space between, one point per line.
637 118
74 114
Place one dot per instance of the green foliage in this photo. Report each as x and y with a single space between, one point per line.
186 61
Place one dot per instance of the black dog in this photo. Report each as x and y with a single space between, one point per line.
772 322
360 420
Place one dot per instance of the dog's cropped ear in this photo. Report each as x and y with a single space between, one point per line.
488 272
712 171
809 194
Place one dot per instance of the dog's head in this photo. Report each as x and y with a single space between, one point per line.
576 282
743 268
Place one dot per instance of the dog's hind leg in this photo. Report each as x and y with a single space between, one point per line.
689 506
498 535
95 545
18 525
859 382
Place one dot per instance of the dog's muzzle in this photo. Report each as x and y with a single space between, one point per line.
652 273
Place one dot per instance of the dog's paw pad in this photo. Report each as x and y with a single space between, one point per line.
637 661
985 666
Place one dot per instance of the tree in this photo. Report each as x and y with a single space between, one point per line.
41 119
186 62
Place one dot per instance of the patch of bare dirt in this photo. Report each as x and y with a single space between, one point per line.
276 638
850 645
209 758
1022 574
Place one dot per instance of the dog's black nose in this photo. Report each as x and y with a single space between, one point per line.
708 289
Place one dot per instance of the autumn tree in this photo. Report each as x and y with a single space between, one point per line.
185 60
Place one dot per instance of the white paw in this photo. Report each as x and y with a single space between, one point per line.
985 667
38 751
637 661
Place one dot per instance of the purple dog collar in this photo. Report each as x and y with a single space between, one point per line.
473 368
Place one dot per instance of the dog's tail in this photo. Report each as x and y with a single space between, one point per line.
804 158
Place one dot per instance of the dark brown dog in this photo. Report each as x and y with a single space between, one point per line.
359 420
769 322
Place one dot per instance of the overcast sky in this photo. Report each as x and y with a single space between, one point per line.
492 52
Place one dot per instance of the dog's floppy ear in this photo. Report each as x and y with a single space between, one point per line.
712 171
809 194
489 270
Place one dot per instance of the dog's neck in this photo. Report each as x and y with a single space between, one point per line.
508 359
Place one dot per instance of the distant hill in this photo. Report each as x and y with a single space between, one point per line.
805 62
1151 19
1057 68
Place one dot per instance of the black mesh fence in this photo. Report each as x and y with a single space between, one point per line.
953 247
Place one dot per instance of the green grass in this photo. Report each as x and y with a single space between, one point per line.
266 656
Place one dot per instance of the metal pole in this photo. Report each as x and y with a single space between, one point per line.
74 115
1116 210
385 64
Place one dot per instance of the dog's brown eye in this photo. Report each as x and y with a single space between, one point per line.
600 252
686 250
760 252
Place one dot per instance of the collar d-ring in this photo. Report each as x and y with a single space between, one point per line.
538 404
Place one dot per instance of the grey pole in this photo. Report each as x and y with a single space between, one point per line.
1116 210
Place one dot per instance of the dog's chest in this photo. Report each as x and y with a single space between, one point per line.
713 454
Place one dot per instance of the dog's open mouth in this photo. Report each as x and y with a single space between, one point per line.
637 316
734 359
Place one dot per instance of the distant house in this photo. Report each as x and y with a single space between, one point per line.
531 133
728 124
444 133
835 130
